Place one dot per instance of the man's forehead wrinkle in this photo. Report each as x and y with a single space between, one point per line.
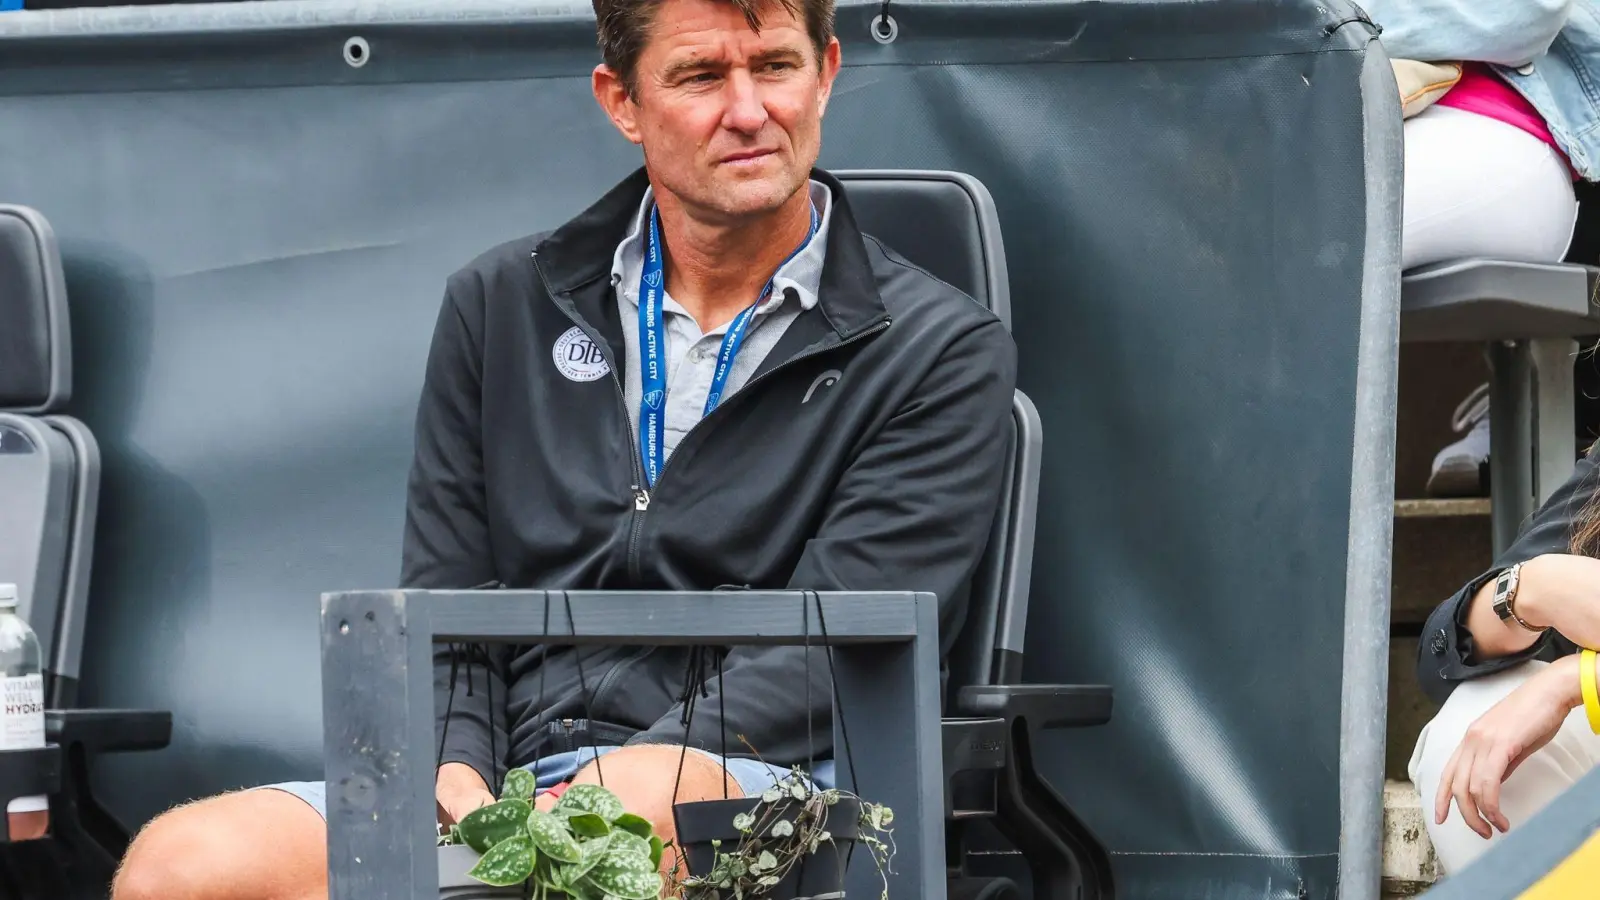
722 50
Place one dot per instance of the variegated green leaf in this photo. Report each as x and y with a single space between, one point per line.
782 828
590 853
507 863
627 877
548 874
550 835
582 889
487 826
520 785
772 794
635 824
588 825
629 843
581 798
743 822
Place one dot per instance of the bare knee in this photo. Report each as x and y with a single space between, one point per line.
649 779
253 845
649 774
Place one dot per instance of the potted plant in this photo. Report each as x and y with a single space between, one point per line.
586 848
792 842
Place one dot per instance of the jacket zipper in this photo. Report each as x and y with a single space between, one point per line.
641 494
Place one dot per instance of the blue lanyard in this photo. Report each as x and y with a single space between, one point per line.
653 347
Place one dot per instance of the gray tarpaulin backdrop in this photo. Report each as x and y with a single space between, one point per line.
1200 211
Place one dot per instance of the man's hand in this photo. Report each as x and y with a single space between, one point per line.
1500 740
460 790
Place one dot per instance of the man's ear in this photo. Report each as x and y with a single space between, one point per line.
612 96
830 71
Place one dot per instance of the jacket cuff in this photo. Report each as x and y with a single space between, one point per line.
1447 655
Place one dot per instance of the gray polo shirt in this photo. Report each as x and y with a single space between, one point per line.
691 356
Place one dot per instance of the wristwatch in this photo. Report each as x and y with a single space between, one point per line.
1505 597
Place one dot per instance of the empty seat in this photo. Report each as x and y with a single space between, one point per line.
49 462
49 497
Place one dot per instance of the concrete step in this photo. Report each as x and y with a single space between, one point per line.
1439 545
1409 864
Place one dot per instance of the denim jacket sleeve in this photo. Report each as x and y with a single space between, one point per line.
1446 655
1504 32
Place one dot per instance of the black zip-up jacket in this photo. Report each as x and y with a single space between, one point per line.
887 478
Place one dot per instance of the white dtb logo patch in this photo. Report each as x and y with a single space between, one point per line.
579 358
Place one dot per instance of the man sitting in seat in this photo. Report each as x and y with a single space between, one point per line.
709 378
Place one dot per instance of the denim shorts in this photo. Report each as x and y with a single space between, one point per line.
752 776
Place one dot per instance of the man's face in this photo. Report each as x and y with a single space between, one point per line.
730 119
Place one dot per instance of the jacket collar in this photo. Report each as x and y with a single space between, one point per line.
581 251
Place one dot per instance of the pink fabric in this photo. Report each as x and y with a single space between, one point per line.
1481 91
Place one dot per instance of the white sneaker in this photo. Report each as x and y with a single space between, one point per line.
1457 469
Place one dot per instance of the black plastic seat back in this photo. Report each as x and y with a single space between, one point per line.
946 223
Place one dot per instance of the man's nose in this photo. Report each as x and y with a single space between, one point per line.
746 112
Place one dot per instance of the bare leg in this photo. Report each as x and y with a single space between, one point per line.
26 826
252 845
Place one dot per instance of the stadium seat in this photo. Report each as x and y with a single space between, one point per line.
1529 315
50 482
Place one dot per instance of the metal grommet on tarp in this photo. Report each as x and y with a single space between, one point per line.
356 52
884 28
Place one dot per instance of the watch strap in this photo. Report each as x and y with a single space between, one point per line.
1506 585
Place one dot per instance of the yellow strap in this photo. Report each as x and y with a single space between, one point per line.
1591 699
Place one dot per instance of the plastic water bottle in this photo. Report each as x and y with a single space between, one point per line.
21 691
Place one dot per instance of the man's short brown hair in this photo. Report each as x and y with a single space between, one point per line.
623 27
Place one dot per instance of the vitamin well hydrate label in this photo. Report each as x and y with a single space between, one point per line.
22 718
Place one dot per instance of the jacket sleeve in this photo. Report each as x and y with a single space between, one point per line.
1446 655
912 512
446 540
1504 32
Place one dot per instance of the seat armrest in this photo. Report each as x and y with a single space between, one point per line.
1041 705
109 730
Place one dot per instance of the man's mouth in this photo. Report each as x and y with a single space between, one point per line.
745 156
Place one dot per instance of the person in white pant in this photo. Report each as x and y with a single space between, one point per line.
1503 656
1489 167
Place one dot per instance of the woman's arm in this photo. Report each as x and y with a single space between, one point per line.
1464 638
1505 32
1556 590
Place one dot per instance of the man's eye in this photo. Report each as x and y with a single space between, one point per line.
701 78
779 66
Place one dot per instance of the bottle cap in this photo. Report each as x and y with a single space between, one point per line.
8 596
